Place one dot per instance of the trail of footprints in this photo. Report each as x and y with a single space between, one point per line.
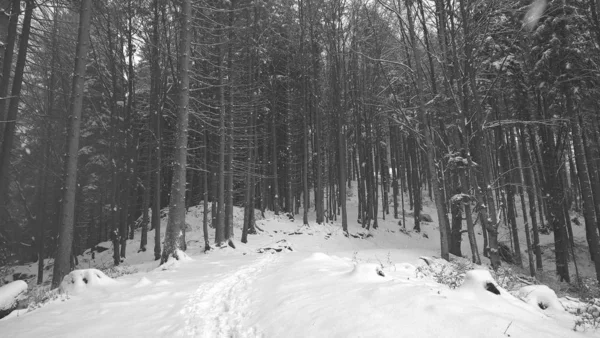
217 309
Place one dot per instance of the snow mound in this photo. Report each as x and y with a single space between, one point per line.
540 296
182 256
9 294
142 282
319 256
175 260
80 281
403 270
479 281
367 272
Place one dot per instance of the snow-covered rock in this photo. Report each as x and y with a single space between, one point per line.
540 296
479 281
79 281
279 246
9 295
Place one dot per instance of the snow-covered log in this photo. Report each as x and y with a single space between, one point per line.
9 295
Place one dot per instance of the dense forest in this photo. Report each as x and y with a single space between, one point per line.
112 111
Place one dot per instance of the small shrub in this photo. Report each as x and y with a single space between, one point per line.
451 274
588 316
40 296
118 271
509 279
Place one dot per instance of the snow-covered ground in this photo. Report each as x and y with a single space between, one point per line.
293 281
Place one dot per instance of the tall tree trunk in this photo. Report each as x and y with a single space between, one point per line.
174 235
531 196
205 194
305 158
13 107
554 194
457 218
342 173
523 182
590 145
439 202
415 182
229 161
275 167
7 62
40 215
510 196
220 226
5 6
157 114
62 262
146 200
115 146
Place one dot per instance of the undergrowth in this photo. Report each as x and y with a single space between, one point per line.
118 271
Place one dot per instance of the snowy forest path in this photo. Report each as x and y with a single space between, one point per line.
217 308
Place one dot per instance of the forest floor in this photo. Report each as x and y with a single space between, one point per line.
291 280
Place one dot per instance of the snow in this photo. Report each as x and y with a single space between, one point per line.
542 297
79 281
290 280
479 282
9 294
534 13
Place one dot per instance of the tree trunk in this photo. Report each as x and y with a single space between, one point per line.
456 210
174 235
275 167
157 114
529 185
7 62
220 226
13 108
415 182
510 196
342 173
146 200
553 195
305 191
439 202
5 6
62 261
523 205
205 194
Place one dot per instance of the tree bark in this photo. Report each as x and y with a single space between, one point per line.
524 206
5 6
205 195
13 108
157 115
7 61
174 235
220 226
530 187
62 262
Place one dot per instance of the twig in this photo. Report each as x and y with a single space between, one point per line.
508 327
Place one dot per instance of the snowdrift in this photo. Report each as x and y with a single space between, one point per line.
328 296
80 281
9 295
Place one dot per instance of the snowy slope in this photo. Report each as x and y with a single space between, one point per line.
291 281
